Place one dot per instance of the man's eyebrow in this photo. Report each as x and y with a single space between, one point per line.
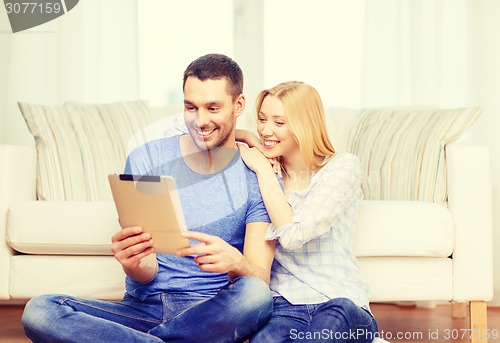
214 103
208 104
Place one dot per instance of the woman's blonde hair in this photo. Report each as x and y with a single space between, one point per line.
304 115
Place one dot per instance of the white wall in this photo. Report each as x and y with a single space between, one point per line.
485 89
87 55
5 37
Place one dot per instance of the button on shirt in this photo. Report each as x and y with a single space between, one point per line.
314 259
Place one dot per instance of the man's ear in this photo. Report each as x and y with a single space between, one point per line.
240 105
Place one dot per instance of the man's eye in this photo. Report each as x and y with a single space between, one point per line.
190 109
213 109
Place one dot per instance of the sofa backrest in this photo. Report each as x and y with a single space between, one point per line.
401 150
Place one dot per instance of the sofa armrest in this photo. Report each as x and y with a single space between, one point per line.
470 202
17 183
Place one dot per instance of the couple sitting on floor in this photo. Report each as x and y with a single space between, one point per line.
270 226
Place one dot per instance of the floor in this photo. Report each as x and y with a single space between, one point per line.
397 324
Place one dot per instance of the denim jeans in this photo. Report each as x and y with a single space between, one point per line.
337 320
237 311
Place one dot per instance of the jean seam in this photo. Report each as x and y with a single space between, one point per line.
165 310
64 300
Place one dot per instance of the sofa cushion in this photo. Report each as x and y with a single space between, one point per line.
403 151
79 145
62 227
403 228
96 277
384 228
408 278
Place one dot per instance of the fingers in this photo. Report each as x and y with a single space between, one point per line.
137 246
135 258
200 236
129 236
197 249
276 165
205 247
205 259
209 246
213 254
131 242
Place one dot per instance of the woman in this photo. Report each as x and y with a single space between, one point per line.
319 293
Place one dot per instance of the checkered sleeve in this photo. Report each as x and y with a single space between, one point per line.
332 189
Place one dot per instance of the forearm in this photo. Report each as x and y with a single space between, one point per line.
258 254
247 137
248 269
277 205
241 135
146 271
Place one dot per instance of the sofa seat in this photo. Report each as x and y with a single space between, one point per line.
90 231
403 229
73 258
96 277
385 228
420 234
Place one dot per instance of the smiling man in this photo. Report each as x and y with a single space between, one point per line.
215 290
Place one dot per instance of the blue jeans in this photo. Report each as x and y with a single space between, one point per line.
237 311
337 320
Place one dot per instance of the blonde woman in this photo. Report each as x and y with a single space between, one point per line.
319 293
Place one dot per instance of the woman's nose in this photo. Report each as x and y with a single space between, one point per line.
266 130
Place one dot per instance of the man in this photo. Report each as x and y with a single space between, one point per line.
216 290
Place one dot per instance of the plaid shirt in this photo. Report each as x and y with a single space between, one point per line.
314 259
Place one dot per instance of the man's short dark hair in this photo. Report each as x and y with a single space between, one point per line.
215 67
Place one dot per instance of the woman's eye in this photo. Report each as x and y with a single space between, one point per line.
279 123
262 120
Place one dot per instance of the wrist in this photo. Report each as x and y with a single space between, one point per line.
265 171
241 135
240 268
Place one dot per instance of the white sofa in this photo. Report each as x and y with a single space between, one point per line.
407 250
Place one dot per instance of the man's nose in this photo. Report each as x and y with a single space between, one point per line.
202 118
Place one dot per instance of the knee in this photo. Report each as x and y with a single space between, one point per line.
344 303
255 295
255 290
37 312
353 314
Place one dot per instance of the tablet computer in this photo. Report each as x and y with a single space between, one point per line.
151 202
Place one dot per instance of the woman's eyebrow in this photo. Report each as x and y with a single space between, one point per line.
275 116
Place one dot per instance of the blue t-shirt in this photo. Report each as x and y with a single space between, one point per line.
220 204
